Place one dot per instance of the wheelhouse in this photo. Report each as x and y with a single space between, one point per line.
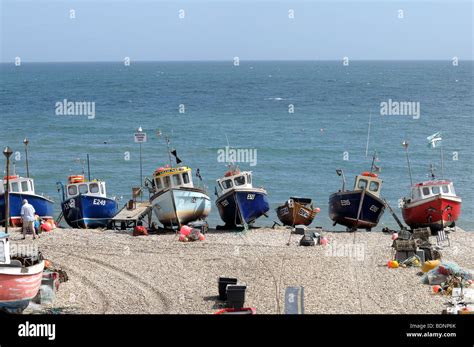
432 188
93 188
18 185
368 182
237 180
167 177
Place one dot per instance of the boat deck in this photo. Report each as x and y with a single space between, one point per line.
129 218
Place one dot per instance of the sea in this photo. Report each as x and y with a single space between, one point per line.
298 121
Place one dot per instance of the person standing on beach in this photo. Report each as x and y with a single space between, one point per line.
28 217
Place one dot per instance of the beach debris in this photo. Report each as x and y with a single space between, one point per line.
448 275
186 233
307 240
140 230
240 311
430 265
236 295
201 225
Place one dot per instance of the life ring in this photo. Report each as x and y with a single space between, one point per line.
10 177
369 174
231 173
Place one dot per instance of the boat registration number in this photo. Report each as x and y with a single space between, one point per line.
345 202
374 208
250 196
99 202
303 213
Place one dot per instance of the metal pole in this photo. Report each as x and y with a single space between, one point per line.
141 168
26 141
442 159
7 152
88 168
368 135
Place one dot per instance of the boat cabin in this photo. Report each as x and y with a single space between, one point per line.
4 249
432 188
18 185
169 177
233 180
78 186
369 182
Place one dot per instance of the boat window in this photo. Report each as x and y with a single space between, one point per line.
239 180
158 183
83 189
451 188
416 194
374 186
227 184
445 189
177 180
185 178
362 184
166 181
435 190
72 190
426 191
24 186
3 258
32 186
94 188
15 187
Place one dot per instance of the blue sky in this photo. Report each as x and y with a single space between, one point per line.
219 30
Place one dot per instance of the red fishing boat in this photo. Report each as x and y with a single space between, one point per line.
20 278
432 204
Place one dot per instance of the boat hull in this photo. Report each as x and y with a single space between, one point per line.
88 212
436 212
295 214
43 207
18 288
178 206
238 207
344 209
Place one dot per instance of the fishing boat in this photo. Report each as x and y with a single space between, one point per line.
20 277
85 204
238 202
21 188
432 203
297 211
174 198
361 207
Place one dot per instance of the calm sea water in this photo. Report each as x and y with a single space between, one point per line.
297 153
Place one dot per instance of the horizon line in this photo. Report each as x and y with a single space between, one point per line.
231 60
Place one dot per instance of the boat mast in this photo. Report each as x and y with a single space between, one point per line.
373 162
26 142
88 168
405 145
368 134
167 139
442 159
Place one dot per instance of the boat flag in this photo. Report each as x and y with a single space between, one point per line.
434 139
176 156
198 174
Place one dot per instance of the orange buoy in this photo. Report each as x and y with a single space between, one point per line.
76 179
12 177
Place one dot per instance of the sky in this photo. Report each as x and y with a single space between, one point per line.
109 30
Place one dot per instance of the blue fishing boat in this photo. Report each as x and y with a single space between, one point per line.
175 199
21 188
238 202
85 203
361 207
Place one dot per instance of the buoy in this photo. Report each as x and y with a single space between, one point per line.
394 236
46 227
430 265
182 237
392 264
202 237
185 230
437 289
317 210
323 241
